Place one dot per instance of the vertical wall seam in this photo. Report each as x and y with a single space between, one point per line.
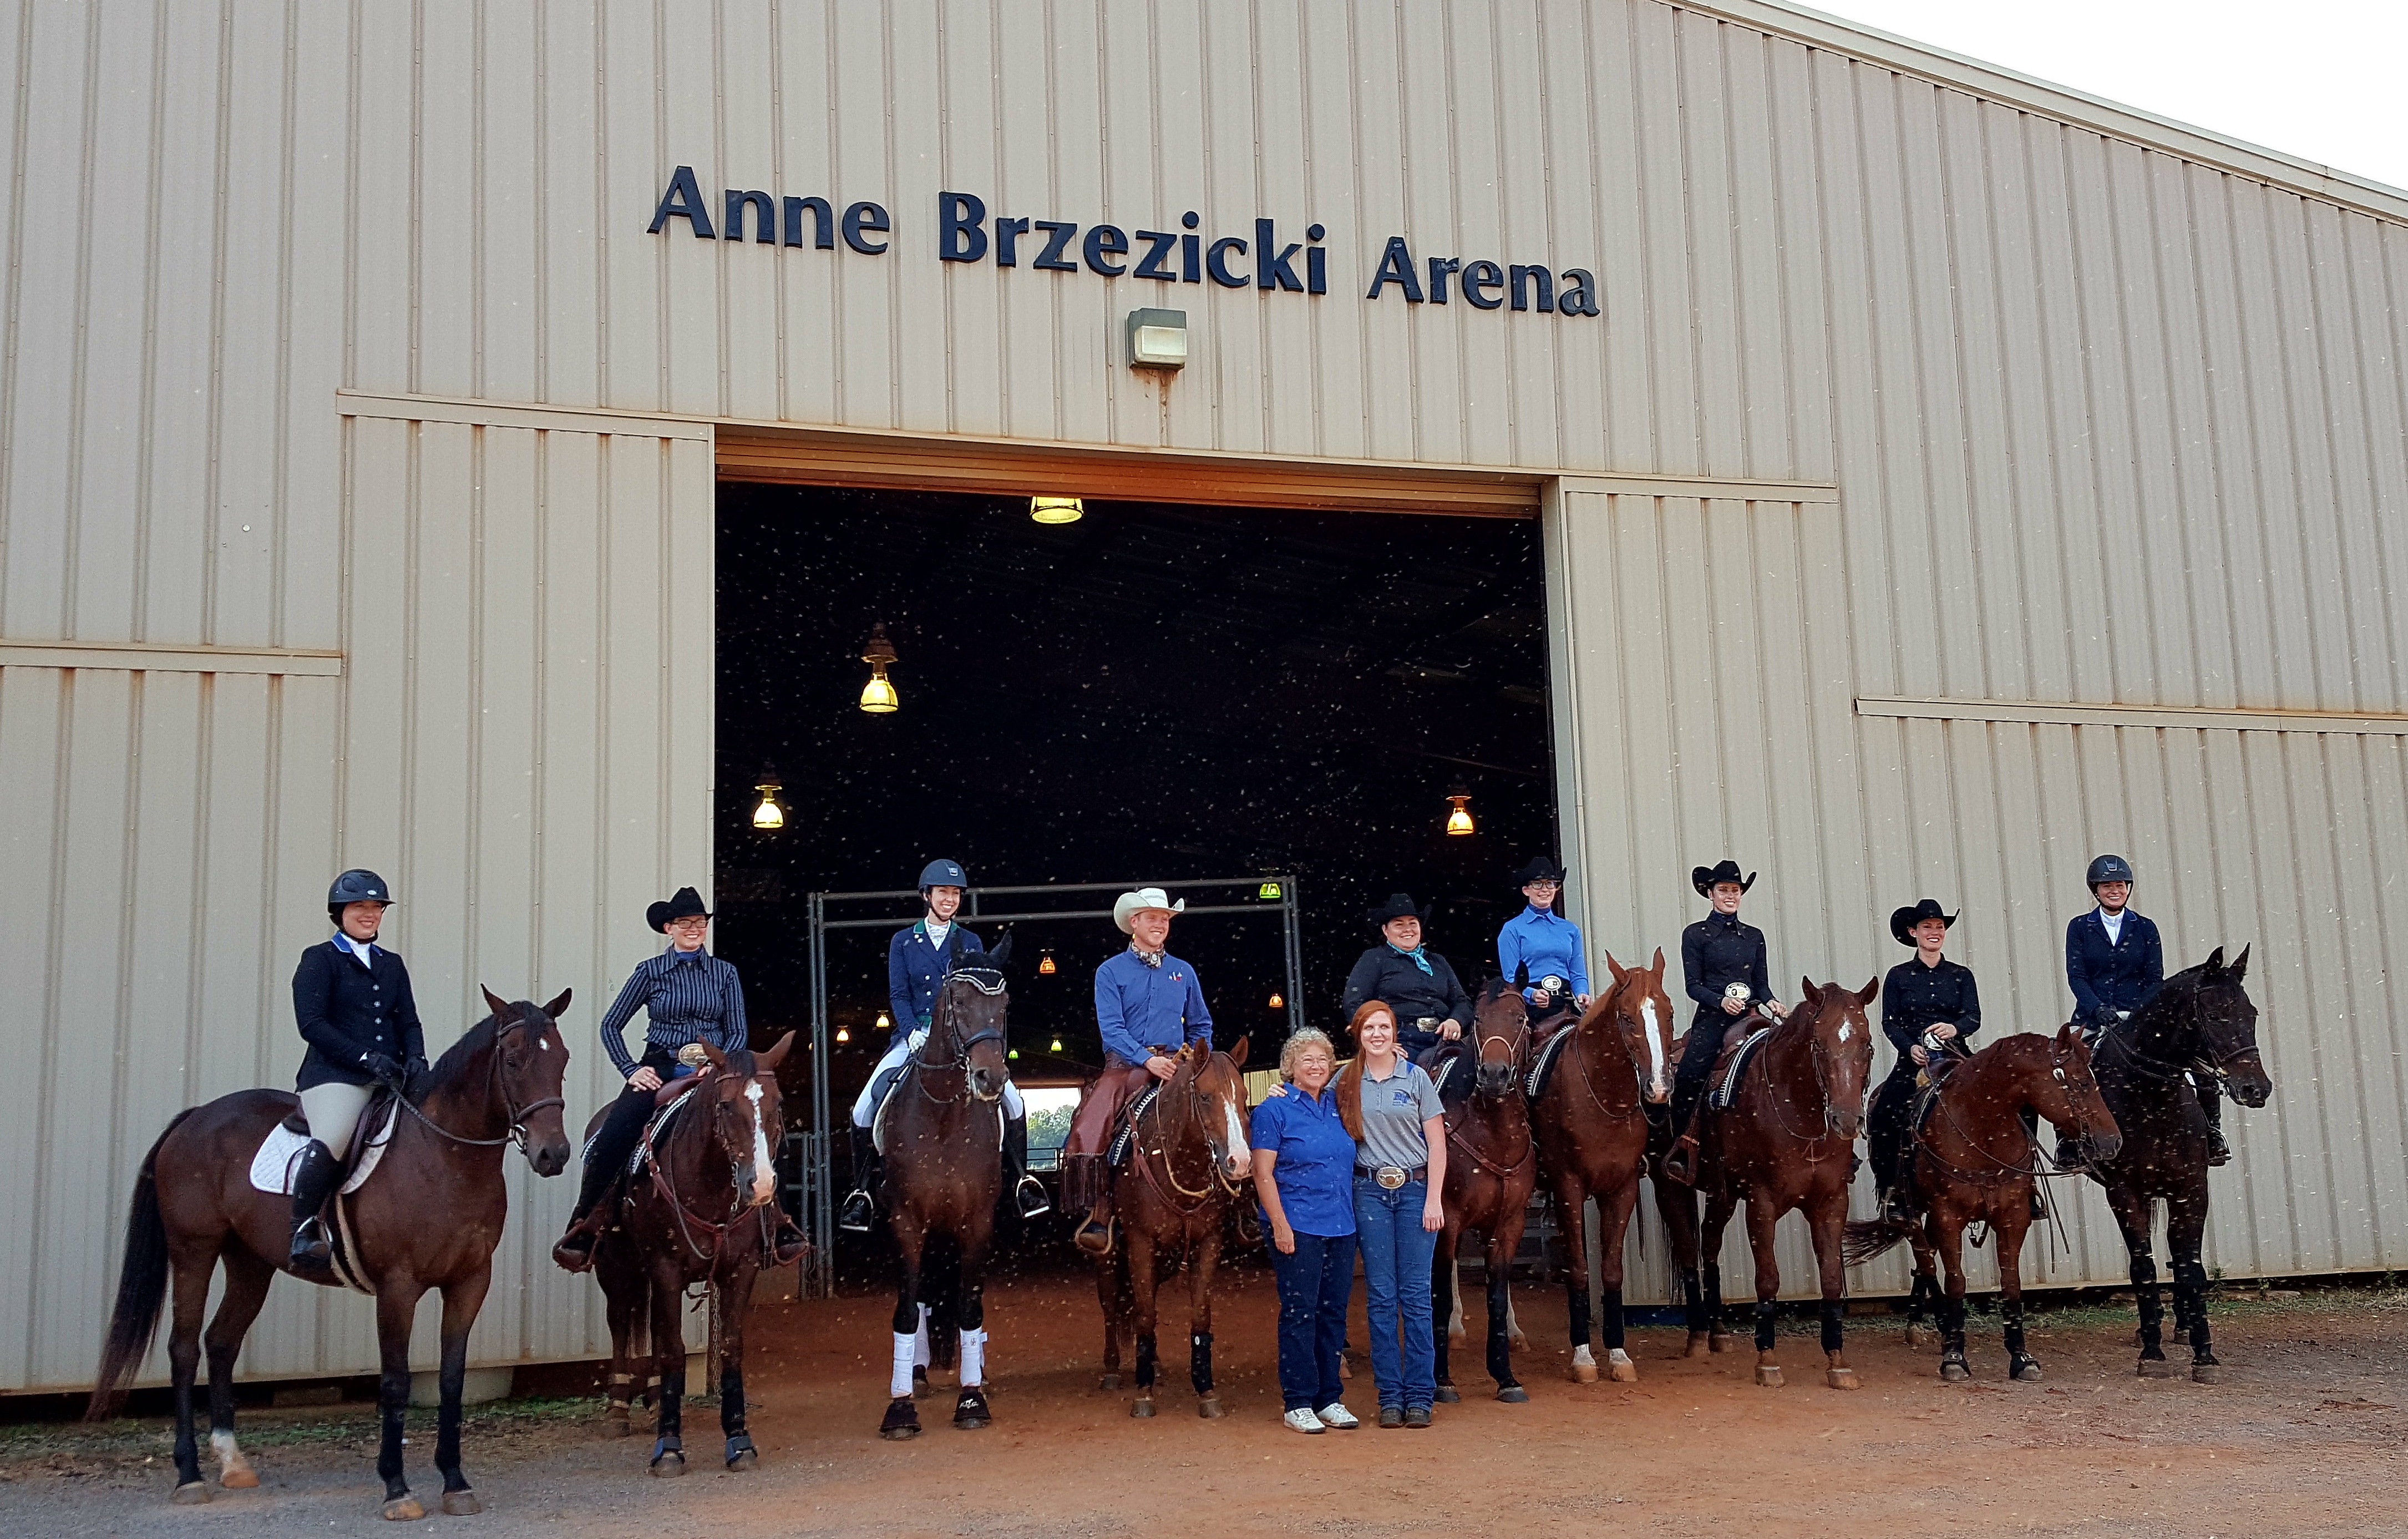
214 434
38 1232
352 116
146 406
79 364
279 531
471 832
1953 210
538 132
417 280
10 334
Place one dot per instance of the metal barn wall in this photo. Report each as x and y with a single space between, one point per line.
2115 412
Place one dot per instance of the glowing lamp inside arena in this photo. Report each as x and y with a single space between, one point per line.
1056 510
1458 822
877 695
1045 963
769 815
1278 1001
1056 1047
844 1033
883 1024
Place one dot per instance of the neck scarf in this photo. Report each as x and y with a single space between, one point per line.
1151 958
1415 955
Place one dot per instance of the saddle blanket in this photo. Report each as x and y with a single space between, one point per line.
1542 1068
280 1154
1722 1094
1117 1153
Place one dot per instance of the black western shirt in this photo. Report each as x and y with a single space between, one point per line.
1715 953
1383 972
1915 998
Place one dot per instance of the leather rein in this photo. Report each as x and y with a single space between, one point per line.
1217 1185
687 1218
1815 1152
496 1089
1520 1052
2002 1171
921 1067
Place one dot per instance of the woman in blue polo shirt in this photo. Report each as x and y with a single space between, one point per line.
1304 1173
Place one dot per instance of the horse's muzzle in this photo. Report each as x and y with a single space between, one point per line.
2103 1146
549 1159
1494 1080
1847 1125
2250 1086
987 1084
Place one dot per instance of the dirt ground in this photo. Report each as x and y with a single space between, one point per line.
2304 1436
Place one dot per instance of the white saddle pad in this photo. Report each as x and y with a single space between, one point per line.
272 1166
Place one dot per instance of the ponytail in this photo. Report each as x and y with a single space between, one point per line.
1349 1088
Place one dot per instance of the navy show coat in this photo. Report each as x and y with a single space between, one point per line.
2106 978
913 968
348 1013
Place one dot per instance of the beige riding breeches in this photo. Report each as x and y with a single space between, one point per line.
333 1112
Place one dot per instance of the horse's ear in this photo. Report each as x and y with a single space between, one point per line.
717 1059
1809 994
2064 1037
1002 952
777 1053
1657 967
1619 971
1237 1054
953 949
2241 963
1865 995
496 1006
1522 976
559 1007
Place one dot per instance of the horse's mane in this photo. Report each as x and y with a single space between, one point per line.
472 1041
1492 991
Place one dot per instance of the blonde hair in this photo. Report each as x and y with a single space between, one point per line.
1298 1043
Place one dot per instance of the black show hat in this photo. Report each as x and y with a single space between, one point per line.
1707 878
1398 906
687 904
1542 867
1904 920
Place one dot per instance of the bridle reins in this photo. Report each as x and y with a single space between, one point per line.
1216 1185
2159 1070
1517 1047
1816 1153
499 1087
665 1188
2002 1171
921 1067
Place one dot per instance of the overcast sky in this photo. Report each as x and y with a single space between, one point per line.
2317 81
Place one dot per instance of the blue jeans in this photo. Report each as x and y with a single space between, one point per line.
1396 1253
1313 1286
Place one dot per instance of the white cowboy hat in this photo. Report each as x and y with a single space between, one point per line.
1131 904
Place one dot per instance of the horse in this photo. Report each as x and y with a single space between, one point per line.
943 1126
429 1218
2202 1021
1492 1165
1788 1141
1189 1157
1974 1160
1676 1204
1592 1126
675 1228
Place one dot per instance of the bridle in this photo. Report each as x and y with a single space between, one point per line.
1517 1045
1816 1153
687 1219
499 1089
1638 1106
2157 1071
1192 1102
2001 1171
976 979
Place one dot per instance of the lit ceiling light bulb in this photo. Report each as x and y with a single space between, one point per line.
878 695
844 1033
883 1024
1278 1001
1458 822
1056 1045
1045 963
1056 510
769 815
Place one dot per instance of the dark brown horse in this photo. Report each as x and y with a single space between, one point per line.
944 1171
2201 1022
1592 1126
429 1217
1188 1157
701 1209
1974 1161
1788 1142
1491 1166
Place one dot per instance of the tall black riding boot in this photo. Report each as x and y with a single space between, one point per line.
2210 1102
1027 1193
574 1250
860 1208
311 1184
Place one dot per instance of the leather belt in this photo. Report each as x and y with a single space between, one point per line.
1392 1177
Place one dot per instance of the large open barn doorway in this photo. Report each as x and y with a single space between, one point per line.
1157 691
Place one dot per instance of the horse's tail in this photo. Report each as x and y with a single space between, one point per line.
141 1285
1866 1238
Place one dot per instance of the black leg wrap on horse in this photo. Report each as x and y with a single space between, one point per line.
1834 1318
1500 1339
1576 1300
1199 1361
2011 1315
1764 1333
1611 1300
1145 1362
1713 1291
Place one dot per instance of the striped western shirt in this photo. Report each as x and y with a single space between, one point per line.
690 995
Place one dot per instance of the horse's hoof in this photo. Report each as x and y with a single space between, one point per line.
2025 1371
243 1479
1110 1381
403 1509
1583 1372
192 1493
1621 1369
1719 1340
1697 1347
919 1383
1955 1372
741 1455
1767 1375
902 1421
2203 1372
970 1412
614 1415
1512 1394
462 1503
2157 1368
1141 1407
1449 1395
1917 1338
1841 1378
669 1466
1209 1407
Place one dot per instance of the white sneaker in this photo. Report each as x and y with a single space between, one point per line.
1301 1420
1336 1414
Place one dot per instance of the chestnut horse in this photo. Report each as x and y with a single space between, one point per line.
1592 1135
702 1209
1491 1166
944 1170
1188 1157
1974 1161
1788 1141
2201 1022
429 1217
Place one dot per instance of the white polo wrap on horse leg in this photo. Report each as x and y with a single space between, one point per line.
920 1340
973 1358
900 1384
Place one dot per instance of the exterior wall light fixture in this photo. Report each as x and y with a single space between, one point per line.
1157 339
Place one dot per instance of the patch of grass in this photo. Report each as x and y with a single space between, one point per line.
333 1426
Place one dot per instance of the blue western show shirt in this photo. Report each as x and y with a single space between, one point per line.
1315 1168
690 996
1545 941
1141 1010
2106 978
914 966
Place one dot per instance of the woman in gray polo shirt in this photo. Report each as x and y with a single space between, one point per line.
1392 1110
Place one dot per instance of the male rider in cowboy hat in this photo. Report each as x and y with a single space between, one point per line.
917 959
2115 964
1543 947
1924 998
1429 998
1723 966
1148 1006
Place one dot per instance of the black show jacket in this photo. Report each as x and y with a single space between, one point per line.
348 1012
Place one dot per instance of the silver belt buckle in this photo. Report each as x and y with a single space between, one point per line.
1390 1177
1551 984
1427 1023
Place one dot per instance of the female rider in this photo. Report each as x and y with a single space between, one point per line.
1927 996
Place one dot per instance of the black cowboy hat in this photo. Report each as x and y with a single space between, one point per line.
1399 906
687 904
1707 878
1904 920
1542 867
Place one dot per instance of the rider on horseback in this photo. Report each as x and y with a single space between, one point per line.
1430 1003
1723 966
352 1000
2115 964
1925 999
690 997
1543 946
917 959
1148 1006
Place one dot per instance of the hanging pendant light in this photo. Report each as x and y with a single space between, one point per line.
844 1033
1458 822
769 815
877 695
1045 963
1278 1001
1056 1046
1056 510
883 1024
1013 1055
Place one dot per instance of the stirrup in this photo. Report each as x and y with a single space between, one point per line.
2218 1151
311 1251
574 1250
1095 1236
1028 1195
859 1212
1681 1161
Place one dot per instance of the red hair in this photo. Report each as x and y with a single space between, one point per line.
1350 1079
